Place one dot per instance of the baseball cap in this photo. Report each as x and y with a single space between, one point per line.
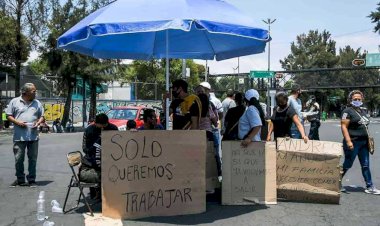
252 93
206 85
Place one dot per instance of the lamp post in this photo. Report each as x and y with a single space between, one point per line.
270 102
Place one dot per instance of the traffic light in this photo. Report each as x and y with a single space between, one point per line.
358 62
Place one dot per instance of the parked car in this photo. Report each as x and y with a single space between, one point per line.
120 116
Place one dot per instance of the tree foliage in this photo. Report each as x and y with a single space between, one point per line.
375 17
317 50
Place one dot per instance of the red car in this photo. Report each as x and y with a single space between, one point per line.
120 116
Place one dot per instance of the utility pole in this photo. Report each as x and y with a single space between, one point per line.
271 84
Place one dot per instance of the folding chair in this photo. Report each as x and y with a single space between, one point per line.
75 159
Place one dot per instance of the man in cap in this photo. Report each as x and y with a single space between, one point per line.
296 104
186 108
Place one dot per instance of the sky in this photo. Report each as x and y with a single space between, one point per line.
346 20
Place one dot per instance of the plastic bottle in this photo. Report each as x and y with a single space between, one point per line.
41 206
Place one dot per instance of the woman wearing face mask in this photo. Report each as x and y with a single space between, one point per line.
282 119
355 142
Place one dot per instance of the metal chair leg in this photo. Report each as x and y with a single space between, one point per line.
67 195
85 200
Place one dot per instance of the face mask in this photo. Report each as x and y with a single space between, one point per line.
356 103
175 94
282 106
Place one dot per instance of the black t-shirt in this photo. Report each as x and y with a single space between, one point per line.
356 128
232 117
183 110
92 134
282 121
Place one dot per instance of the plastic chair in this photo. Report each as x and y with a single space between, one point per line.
75 159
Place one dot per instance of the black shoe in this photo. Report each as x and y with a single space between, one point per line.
32 184
17 183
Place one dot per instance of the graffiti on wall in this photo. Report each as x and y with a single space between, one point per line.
53 111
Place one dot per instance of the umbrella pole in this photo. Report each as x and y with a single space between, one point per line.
167 81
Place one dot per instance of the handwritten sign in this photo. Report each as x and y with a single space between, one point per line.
308 172
249 174
153 173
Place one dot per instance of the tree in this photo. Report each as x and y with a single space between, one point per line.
315 50
65 64
375 17
28 16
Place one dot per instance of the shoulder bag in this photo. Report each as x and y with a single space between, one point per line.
371 140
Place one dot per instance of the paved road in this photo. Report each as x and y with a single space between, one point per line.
18 205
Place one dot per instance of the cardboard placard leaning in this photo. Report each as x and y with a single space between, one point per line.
153 173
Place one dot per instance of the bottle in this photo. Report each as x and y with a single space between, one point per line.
41 206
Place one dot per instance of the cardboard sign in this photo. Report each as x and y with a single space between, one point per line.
249 174
308 172
212 181
153 173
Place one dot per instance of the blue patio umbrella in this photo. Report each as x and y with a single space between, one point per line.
155 29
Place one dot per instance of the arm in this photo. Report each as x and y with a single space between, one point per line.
270 130
253 133
194 122
15 121
300 127
344 125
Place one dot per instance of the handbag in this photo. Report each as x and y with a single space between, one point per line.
371 140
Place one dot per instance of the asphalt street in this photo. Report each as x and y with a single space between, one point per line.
18 205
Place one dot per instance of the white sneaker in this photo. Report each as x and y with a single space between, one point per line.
372 190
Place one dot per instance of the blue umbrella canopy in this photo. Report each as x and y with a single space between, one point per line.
194 29
148 29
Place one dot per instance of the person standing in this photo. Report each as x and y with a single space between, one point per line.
227 104
186 108
26 113
313 115
231 120
283 117
296 104
251 121
354 125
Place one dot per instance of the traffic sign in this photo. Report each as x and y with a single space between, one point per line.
372 60
358 62
261 74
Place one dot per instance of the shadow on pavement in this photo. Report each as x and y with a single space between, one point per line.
214 212
354 189
43 182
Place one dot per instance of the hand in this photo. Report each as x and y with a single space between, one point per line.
268 138
305 139
350 145
21 124
246 142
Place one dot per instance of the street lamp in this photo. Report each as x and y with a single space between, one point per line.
270 102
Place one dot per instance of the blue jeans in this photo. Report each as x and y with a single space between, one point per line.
294 133
360 150
19 153
215 133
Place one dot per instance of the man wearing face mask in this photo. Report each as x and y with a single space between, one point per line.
90 169
283 117
354 125
186 108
